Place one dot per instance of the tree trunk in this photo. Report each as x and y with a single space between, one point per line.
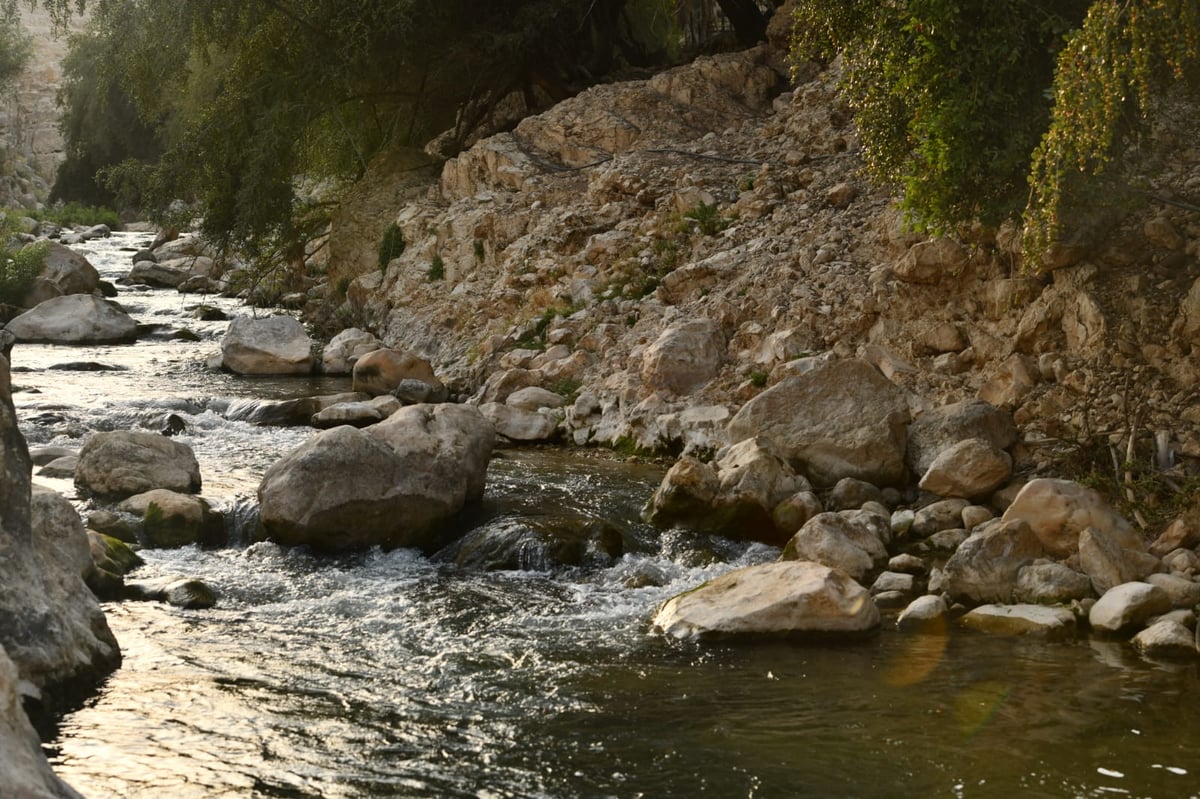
749 24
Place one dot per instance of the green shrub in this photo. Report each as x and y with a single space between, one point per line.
708 218
343 285
437 268
18 270
758 378
390 246
479 250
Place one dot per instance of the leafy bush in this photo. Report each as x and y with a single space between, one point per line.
72 214
390 246
437 268
18 269
708 218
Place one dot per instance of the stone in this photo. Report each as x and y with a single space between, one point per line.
939 429
794 598
985 567
684 357
275 345
126 462
344 349
930 261
926 614
74 319
1059 510
538 544
835 541
907 564
1167 639
517 424
171 519
975 515
851 493
1177 534
286 413
382 371
533 398
1127 607
65 272
26 773
355 414
1102 559
392 484
1184 593
841 419
180 592
945 540
935 517
893 581
167 275
791 514
685 496
1046 582
63 468
1010 383
1182 562
501 384
1035 620
972 468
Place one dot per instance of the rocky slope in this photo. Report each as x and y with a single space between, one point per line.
663 250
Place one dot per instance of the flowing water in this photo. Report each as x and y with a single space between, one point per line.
396 674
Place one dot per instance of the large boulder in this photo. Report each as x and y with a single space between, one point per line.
276 345
1108 564
840 541
50 624
389 485
842 419
517 424
971 468
684 357
75 319
65 272
986 567
381 371
1128 607
126 462
1059 510
772 599
939 429
26 773
344 350
736 496
1034 620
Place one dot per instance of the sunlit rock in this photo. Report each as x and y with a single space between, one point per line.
926 614
181 592
275 345
986 566
391 484
939 429
1167 639
838 542
972 468
1046 582
773 599
1037 620
1059 510
65 272
75 319
344 350
1127 607
842 419
171 519
122 463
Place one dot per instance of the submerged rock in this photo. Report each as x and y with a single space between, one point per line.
772 599
181 592
1038 620
171 519
539 544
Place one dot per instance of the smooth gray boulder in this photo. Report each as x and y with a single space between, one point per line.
390 485
1035 620
972 468
1167 639
276 345
171 519
344 349
684 357
939 429
65 272
842 419
74 319
839 542
1059 510
122 463
794 598
517 424
926 614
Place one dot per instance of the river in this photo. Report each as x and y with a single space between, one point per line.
382 674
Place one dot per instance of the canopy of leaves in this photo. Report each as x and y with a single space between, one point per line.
14 50
989 109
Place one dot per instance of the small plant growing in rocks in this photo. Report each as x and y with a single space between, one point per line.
437 268
390 246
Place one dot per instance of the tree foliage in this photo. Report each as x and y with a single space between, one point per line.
994 109
14 50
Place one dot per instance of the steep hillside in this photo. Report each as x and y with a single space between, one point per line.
684 241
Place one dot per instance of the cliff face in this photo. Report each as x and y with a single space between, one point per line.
590 245
29 115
